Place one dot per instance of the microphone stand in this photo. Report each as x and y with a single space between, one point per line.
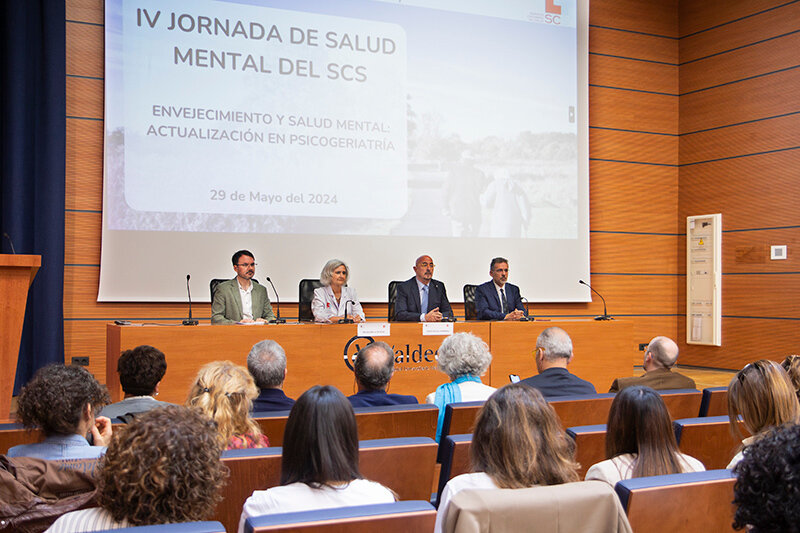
189 321
605 315
346 320
277 320
527 318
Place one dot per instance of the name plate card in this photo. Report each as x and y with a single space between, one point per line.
437 328
374 329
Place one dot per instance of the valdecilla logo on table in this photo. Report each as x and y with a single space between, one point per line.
406 356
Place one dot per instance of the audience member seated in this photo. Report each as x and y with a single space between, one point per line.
140 371
553 354
224 392
763 395
319 466
464 358
63 402
518 442
163 467
767 490
335 299
792 366
659 358
373 368
640 440
267 364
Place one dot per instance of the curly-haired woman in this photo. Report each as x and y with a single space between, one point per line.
163 467
63 402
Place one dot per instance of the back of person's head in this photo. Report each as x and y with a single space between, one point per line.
320 444
140 370
163 467
267 364
763 395
792 366
55 399
639 423
555 344
374 366
463 354
767 490
518 441
664 351
224 391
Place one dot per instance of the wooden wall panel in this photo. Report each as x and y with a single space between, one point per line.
754 137
639 196
753 193
756 60
622 195
626 44
644 16
751 99
729 30
631 74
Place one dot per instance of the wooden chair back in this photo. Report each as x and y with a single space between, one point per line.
708 439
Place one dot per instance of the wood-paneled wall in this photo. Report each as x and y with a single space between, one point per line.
739 153
634 142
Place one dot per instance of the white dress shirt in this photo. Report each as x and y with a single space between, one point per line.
247 300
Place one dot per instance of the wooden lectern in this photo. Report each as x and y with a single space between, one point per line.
16 275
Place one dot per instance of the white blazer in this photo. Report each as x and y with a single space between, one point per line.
324 305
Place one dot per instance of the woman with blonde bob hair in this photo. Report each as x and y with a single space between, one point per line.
763 395
518 442
224 392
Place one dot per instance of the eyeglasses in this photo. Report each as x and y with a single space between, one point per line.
761 370
426 264
246 265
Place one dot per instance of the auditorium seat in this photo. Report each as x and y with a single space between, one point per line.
590 445
305 297
394 517
682 403
386 422
582 409
708 439
184 527
692 502
455 461
12 434
405 465
459 418
714 402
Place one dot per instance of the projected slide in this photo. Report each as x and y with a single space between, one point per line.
360 118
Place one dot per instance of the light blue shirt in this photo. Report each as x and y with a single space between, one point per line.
59 447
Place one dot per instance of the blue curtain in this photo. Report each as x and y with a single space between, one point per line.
32 159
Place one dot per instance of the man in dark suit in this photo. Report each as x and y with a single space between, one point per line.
659 358
497 299
373 369
553 354
422 298
267 364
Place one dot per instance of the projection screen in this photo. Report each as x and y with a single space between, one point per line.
366 130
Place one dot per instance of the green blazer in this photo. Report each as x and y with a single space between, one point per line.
227 305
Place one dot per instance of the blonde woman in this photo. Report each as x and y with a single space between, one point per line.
225 391
792 366
763 395
518 442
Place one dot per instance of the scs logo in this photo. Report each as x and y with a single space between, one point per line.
551 15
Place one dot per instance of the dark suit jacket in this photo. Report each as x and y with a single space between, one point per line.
272 400
376 398
407 306
487 302
559 382
659 379
227 305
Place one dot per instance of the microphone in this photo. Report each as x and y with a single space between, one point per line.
444 317
189 321
10 242
528 318
605 315
278 320
346 320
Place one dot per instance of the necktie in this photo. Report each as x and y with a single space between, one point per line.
505 302
424 300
